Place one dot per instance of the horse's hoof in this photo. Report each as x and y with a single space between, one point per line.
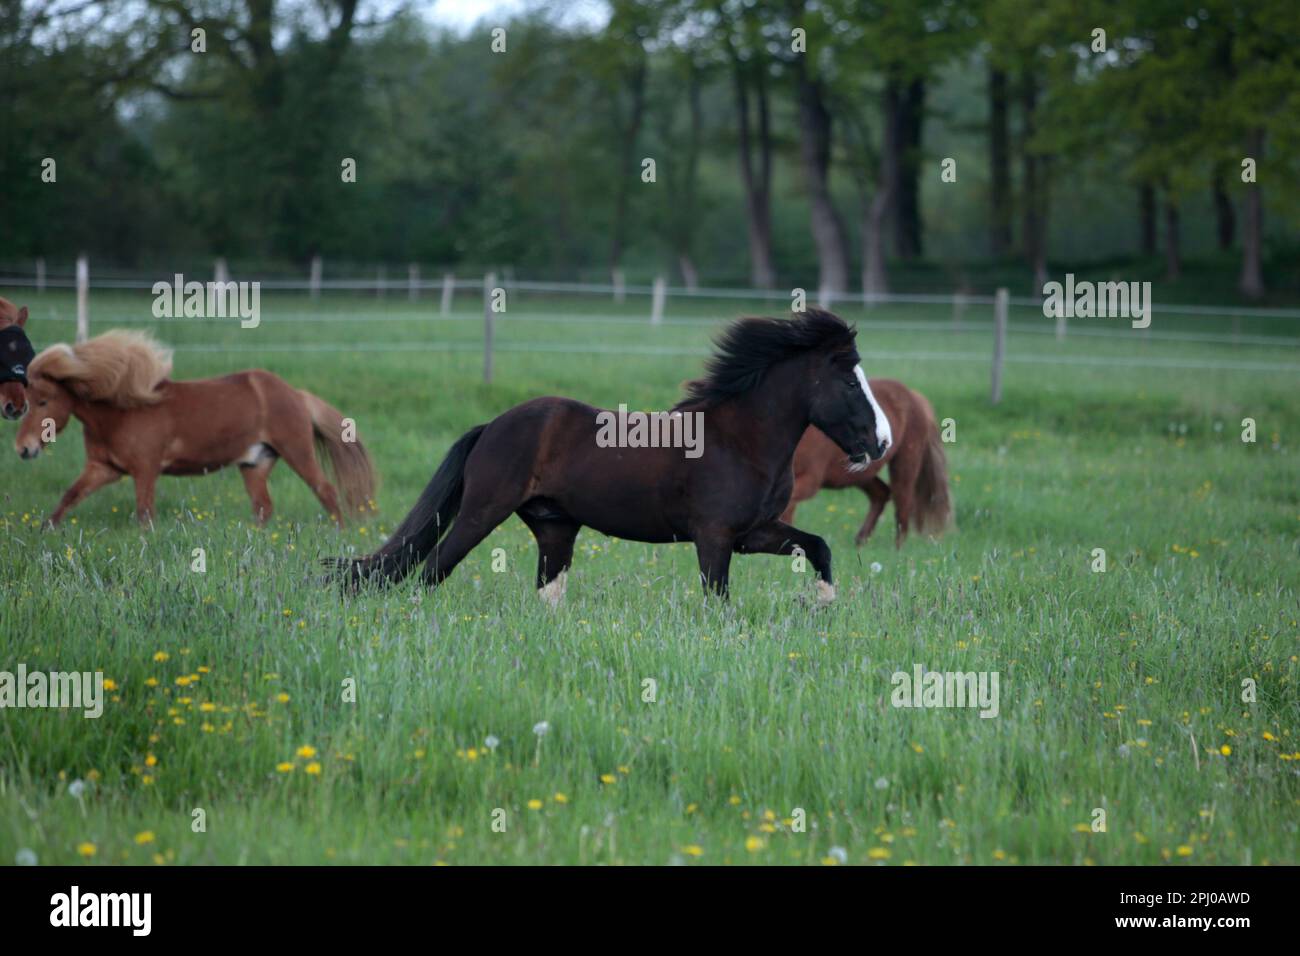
825 593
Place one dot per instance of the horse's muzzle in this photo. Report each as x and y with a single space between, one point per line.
13 412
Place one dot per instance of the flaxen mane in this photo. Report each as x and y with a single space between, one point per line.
748 347
119 367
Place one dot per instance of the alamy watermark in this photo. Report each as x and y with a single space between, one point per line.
212 300
938 689
76 690
624 429
1086 300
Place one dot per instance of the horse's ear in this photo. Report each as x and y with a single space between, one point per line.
22 317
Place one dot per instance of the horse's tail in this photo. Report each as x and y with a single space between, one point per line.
932 513
415 538
346 457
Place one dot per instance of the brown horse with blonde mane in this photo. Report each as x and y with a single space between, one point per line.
918 470
15 355
139 422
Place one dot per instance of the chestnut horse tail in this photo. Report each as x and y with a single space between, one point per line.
933 508
416 537
346 457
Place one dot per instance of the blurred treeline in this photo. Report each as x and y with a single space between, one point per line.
794 142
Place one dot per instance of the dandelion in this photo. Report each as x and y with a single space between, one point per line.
284 767
306 752
144 836
151 761
882 783
491 743
608 778
876 567
560 798
838 854
282 697
313 768
534 804
1225 750
87 849
77 789
755 844
161 656
693 849
878 853
541 728
1184 850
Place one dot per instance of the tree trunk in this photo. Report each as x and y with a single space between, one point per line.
1035 187
690 276
627 169
815 152
875 274
684 217
1225 217
907 205
1147 219
757 182
999 164
1173 254
1252 226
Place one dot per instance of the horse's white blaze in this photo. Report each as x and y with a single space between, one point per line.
553 592
883 432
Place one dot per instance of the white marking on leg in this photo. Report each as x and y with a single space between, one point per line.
552 593
825 592
884 433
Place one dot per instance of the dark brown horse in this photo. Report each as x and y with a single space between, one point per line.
918 471
546 461
138 422
16 354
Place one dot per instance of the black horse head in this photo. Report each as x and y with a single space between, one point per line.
839 399
16 353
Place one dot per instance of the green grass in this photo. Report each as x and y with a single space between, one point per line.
1118 690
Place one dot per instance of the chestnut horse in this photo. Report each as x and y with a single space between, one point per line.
138 422
16 353
918 471
546 461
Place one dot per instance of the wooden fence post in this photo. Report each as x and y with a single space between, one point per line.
657 302
999 342
448 290
489 283
83 299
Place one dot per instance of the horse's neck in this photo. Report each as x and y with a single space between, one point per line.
777 412
95 417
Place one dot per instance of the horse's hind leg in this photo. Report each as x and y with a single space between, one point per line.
478 516
878 492
298 452
555 538
255 484
903 472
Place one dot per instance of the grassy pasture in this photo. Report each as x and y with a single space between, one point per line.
1119 690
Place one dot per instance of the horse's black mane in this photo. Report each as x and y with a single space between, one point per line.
748 347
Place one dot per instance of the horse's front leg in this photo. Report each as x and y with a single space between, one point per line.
144 488
94 475
777 537
713 548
